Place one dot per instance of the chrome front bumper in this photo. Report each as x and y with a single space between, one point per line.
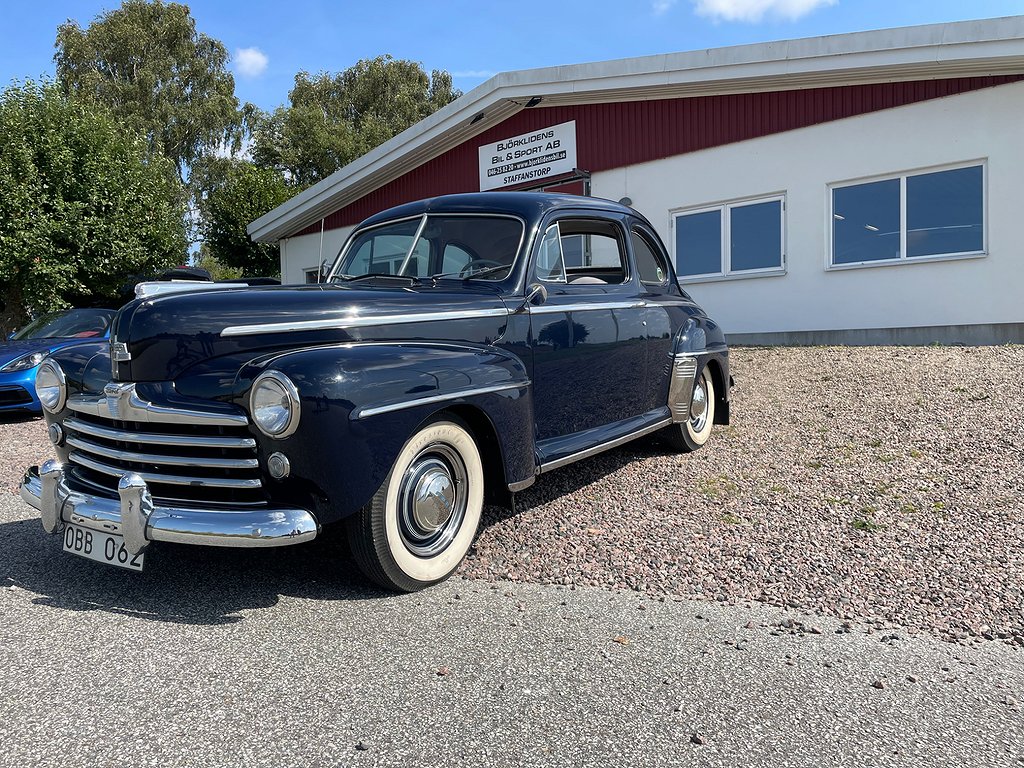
135 517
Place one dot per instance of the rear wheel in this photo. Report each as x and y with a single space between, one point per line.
419 525
695 431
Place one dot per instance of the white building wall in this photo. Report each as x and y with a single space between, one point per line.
304 252
982 125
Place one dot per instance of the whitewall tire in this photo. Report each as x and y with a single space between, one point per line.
421 522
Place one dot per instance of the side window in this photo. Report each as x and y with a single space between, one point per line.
550 266
650 264
584 251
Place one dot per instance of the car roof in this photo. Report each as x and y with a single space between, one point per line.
527 205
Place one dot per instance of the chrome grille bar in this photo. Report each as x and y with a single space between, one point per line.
153 458
154 438
77 457
121 402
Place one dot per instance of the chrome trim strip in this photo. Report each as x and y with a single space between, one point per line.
157 438
158 477
680 388
596 449
412 245
522 485
362 322
362 413
549 309
263 527
119 352
121 402
154 458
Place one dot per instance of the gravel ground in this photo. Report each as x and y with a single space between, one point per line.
882 484
876 484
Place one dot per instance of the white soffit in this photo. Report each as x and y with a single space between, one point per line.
936 51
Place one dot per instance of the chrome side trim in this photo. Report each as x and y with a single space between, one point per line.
152 458
263 527
365 321
680 388
158 477
596 449
155 438
550 309
121 402
362 413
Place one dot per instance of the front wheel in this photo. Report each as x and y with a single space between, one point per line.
419 525
695 431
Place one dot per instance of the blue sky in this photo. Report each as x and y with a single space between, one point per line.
271 40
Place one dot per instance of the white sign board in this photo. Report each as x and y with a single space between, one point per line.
533 156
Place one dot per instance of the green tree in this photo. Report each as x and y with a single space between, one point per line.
333 119
84 203
237 192
148 65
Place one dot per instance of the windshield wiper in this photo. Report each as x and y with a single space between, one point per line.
472 275
378 275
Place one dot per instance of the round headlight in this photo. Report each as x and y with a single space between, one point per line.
51 386
274 404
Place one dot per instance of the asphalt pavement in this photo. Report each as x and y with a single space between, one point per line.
285 658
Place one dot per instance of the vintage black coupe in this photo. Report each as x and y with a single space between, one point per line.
458 348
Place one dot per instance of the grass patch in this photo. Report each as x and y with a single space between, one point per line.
720 487
813 464
915 454
865 524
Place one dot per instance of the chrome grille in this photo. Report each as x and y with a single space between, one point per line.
185 456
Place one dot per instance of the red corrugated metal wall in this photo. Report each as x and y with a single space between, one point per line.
624 133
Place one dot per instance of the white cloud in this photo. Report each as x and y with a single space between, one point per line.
661 6
250 62
474 73
754 10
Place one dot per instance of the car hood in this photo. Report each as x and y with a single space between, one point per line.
11 350
168 335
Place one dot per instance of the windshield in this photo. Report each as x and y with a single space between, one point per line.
72 323
451 245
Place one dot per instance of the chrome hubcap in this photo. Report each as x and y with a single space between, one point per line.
432 500
699 406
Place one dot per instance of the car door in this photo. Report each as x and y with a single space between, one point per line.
588 336
665 311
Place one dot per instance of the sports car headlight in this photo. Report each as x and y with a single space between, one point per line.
23 363
274 404
51 386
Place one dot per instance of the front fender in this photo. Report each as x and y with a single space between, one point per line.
362 401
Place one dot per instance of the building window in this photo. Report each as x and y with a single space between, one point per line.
738 239
312 276
912 216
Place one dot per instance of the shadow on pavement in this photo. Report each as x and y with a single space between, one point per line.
189 585
209 585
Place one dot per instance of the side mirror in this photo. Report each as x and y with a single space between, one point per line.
324 271
536 294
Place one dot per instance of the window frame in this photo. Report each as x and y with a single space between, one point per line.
725 257
902 176
620 237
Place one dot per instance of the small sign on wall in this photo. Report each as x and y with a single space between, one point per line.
533 156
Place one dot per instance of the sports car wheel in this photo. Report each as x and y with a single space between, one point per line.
419 525
695 431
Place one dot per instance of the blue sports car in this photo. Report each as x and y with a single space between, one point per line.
22 353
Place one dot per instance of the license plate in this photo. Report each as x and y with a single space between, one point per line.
102 547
